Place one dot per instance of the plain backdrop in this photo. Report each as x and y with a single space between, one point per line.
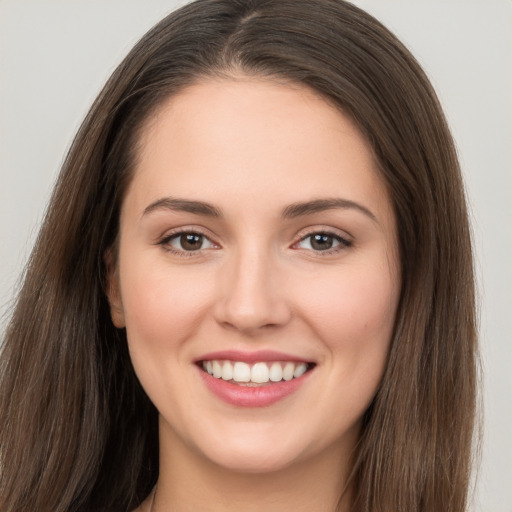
56 54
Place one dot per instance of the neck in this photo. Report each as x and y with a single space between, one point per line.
188 481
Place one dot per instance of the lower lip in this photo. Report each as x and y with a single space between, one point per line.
252 396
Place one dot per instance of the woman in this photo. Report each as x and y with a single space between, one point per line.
253 286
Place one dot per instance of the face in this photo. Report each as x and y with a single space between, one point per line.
257 274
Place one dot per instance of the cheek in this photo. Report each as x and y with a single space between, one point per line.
353 309
162 311
162 306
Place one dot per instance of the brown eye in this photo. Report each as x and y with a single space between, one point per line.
323 242
189 242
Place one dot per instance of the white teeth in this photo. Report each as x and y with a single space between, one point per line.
217 369
227 371
241 372
276 372
300 369
288 371
258 373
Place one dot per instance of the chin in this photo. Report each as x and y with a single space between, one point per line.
253 461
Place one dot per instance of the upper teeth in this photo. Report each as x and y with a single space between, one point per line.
258 373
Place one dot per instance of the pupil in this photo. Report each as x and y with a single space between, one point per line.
321 242
191 241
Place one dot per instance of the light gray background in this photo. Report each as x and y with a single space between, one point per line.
56 54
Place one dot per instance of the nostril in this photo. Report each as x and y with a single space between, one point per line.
251 320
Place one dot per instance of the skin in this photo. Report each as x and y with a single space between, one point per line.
251 148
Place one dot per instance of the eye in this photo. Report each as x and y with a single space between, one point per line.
322 242
187 242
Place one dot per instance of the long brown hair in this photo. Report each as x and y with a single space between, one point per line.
77 431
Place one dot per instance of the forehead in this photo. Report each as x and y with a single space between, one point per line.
225 138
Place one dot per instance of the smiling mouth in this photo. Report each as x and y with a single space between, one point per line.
257 374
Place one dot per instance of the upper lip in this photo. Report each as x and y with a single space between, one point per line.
251 357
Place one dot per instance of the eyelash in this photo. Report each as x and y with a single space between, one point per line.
165 242
343 242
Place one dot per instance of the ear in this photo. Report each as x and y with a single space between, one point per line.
113 290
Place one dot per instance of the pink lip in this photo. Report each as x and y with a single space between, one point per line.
251 357
248 396
251 396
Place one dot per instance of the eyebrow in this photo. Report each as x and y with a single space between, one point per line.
292 211
183 205
319 205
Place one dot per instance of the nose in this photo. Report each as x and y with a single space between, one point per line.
252 293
